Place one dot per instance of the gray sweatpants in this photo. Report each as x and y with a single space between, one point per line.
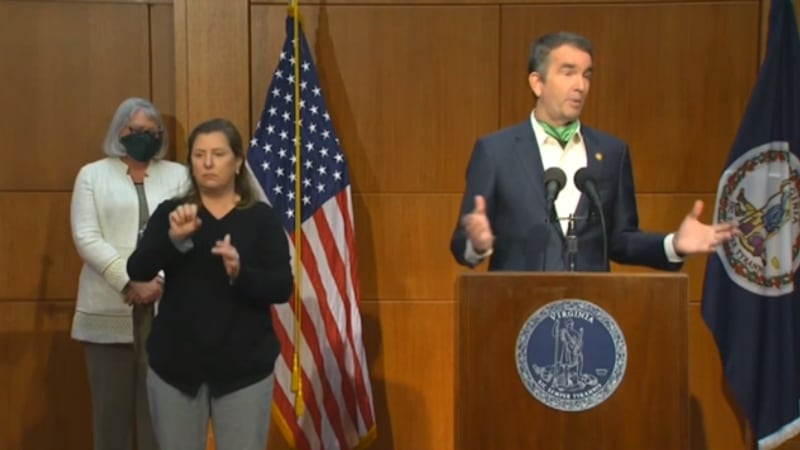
240 419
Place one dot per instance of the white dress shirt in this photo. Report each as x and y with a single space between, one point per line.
569 159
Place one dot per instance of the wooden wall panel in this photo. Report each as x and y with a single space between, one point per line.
149 2
670 79
73 62
162 61
77 62
458 3
411 354
410 351
45 400
410 87
408 106
181 45
39 257
212 76
432 95
714 426
409 259
407 111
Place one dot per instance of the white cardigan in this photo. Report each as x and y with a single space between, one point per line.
105 227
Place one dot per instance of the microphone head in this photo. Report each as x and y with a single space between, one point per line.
557 175
583 176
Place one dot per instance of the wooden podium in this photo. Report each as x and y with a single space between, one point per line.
495 410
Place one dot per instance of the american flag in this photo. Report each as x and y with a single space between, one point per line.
336 389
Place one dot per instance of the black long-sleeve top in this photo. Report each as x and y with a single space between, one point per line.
210 329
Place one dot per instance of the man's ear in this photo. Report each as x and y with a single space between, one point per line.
536 83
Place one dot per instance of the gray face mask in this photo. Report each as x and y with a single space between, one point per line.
141 146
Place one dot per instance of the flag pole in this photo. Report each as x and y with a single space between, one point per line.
297 378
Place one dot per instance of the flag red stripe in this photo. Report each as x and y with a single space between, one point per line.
337 267
312 405
287 411
310 333
362 396
287 354
287 342
357 379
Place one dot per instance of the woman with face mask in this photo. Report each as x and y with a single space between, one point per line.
111 203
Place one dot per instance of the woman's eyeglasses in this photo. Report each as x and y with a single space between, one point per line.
155 133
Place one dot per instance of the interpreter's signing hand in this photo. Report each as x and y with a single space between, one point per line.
695 237
230 256
183 222
477 226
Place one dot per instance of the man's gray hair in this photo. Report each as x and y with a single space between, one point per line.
539 55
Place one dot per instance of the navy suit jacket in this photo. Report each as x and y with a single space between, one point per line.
506 169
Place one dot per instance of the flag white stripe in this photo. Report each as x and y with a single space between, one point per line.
336 309
355 318
335 218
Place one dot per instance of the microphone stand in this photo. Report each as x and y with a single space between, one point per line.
585 182
552 220
572 244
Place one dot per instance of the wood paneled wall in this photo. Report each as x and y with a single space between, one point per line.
410 85
64 68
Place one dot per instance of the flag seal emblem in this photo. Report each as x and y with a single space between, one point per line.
759 192
571 355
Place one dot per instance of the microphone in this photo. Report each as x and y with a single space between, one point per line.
554 181
586 182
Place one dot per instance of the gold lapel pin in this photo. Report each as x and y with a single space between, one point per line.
598 156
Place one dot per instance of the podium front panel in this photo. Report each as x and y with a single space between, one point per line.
606 355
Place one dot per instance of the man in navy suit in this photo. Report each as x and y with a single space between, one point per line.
504 214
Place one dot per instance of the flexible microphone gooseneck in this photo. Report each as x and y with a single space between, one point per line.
554 181
586 182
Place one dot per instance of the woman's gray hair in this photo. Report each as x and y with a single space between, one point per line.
112 146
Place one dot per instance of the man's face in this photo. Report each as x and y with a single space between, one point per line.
562 91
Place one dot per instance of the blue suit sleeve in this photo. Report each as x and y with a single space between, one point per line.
480 180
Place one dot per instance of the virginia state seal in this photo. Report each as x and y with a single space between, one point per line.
759 191
571 355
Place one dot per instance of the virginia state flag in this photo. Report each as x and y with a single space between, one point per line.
750 291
